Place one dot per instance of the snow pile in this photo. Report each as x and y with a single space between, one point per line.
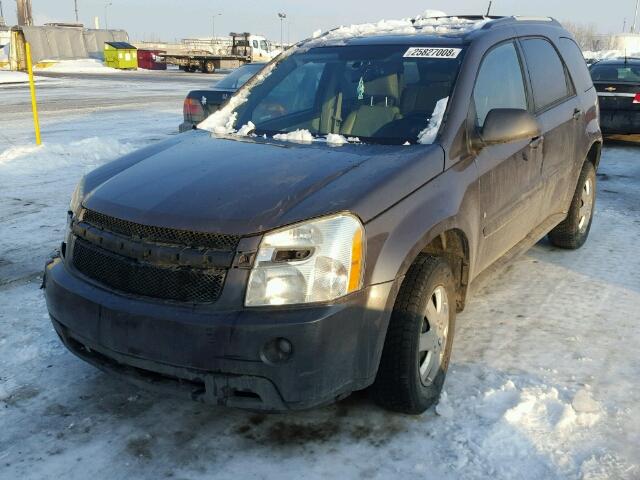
335 139
246 129
423 24
8 77
89 153
428 135
300 136
86 65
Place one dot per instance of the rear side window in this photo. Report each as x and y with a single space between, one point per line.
547 72
499 83
577 65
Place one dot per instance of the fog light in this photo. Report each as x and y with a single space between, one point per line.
278 350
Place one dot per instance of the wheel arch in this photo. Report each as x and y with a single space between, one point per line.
594 154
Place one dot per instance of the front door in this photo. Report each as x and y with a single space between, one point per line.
510 187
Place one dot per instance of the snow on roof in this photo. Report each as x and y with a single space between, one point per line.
430 23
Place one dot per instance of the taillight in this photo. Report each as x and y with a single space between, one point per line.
636 99
192 110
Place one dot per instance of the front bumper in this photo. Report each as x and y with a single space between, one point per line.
620 121
219 356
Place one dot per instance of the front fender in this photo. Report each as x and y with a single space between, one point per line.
396 237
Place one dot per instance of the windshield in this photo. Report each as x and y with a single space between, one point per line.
380 94
239 76
616 73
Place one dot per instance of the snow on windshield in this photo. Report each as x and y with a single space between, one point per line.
428 135
223 121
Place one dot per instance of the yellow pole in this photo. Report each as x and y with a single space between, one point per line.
32 87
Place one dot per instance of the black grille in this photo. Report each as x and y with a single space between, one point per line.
179 284
216 241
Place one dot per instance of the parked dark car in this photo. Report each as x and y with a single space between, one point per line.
199 104
270 272
618 84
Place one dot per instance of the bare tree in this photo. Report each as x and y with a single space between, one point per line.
588 37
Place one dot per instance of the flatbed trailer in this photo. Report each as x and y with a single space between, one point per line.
244 48
205 62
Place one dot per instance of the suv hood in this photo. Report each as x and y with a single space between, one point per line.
245 186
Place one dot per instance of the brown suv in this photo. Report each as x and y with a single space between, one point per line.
322 238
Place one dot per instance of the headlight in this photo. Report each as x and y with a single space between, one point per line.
315 261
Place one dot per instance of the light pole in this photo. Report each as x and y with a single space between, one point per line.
213 26
635 18
106 18
75 3
282 16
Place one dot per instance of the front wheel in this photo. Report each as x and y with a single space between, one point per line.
418 345
574 230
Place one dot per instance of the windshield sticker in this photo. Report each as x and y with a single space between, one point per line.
425 52
360 90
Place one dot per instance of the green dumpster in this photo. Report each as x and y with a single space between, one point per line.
120 55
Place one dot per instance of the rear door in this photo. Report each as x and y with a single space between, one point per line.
559 114
510 172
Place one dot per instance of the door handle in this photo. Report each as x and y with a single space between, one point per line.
536 142
577 113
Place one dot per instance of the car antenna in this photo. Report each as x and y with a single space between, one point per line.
489 9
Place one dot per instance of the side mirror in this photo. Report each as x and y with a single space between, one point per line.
505 125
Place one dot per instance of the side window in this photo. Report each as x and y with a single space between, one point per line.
255 44
547 72
499 83
294 94
577 64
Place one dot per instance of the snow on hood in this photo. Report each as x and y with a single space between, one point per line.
300 136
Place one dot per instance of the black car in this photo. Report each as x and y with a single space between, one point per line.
199 104
320 237
618 84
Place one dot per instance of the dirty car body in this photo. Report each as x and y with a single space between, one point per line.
156 275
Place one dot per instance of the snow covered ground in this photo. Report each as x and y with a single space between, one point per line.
86 65
544 381
9 78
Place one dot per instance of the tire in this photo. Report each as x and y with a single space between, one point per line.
574 230
208 67
401 385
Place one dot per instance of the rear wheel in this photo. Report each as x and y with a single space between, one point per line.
574 230
209 67
418 345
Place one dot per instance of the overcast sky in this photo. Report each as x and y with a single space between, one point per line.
175 19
